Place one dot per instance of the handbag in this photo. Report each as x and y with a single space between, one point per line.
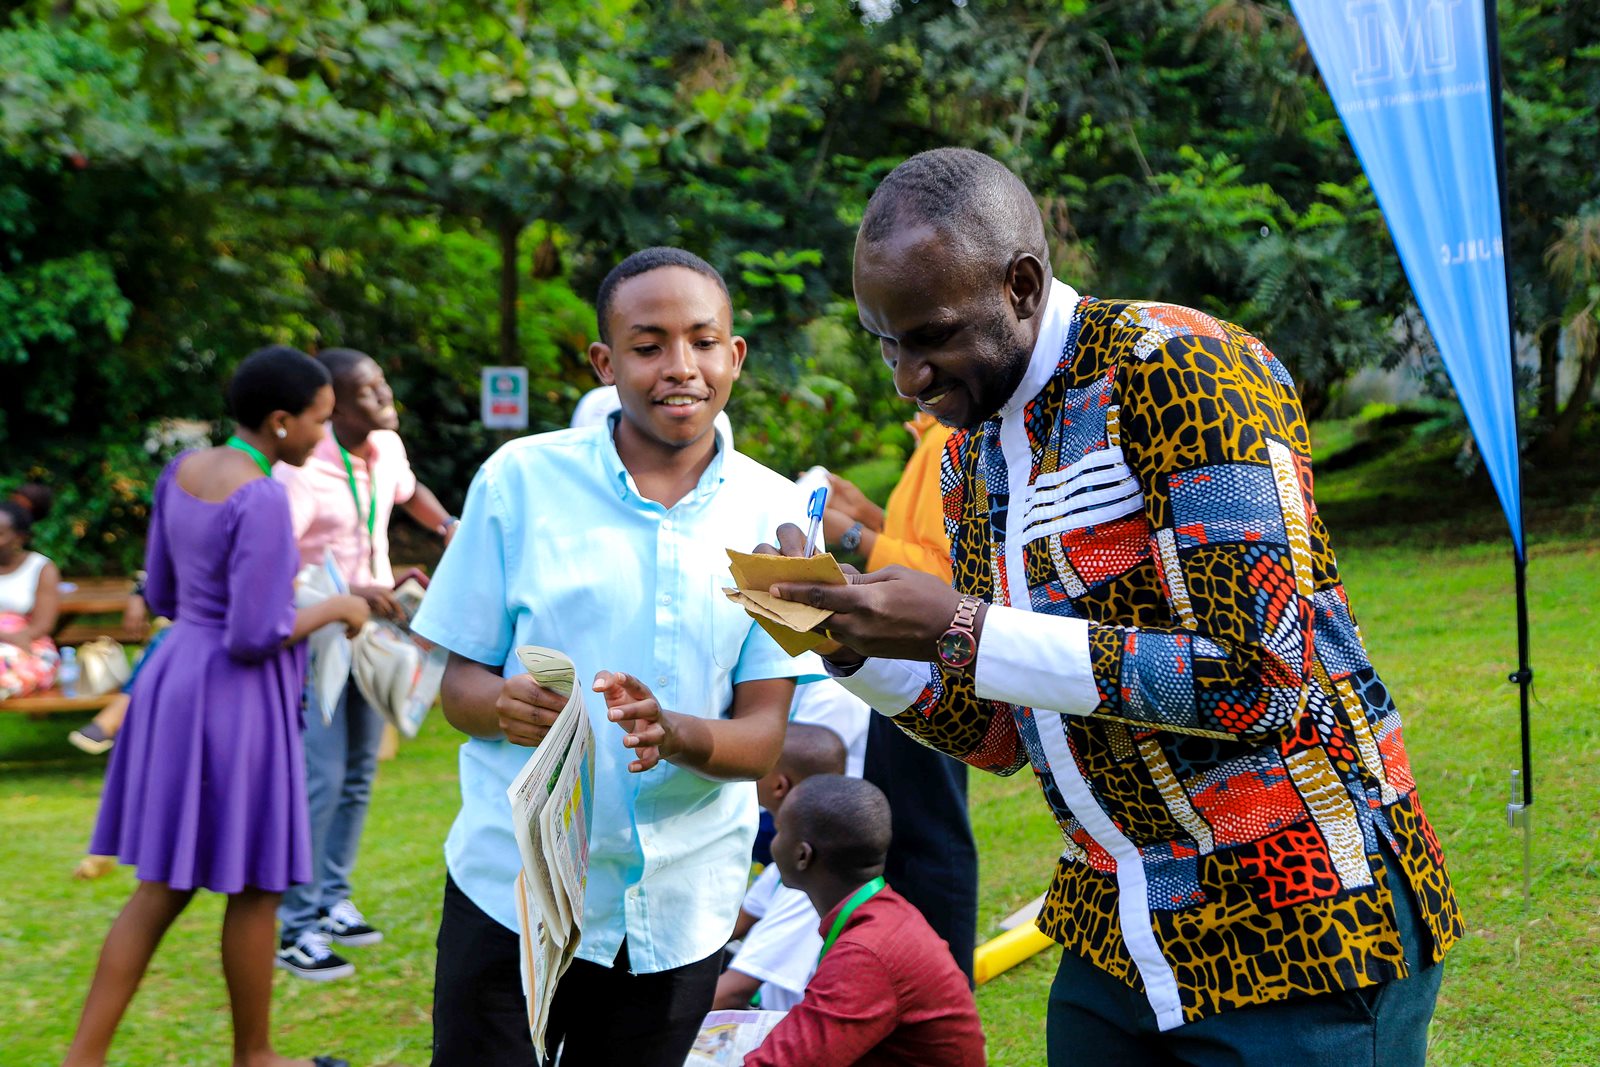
103 667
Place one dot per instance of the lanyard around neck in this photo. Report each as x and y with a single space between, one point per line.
253 452
860 897
372 502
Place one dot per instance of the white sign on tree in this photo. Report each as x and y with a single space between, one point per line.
504 398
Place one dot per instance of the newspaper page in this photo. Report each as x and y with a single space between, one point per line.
726 1037
551 805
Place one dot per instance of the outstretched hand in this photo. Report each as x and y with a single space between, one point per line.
896 612
648 728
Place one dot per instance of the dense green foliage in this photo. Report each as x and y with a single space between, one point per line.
443 184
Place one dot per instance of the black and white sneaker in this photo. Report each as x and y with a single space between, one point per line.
308 956
346 925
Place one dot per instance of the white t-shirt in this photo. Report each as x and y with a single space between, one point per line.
20 588
827 703
781 948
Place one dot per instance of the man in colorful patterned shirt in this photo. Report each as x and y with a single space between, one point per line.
1147 609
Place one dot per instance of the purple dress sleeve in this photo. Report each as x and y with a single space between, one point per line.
160 582
262 561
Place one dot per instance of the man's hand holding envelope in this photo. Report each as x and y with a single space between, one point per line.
896 613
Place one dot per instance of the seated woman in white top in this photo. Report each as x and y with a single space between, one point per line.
29 606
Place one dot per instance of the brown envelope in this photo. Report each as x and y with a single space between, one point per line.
789 623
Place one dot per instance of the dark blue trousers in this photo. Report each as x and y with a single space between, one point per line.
1097 1021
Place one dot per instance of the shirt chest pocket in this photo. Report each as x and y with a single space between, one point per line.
727 625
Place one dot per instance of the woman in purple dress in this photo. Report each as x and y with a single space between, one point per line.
206 785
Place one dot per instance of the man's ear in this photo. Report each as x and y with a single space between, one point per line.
803 855
1026 282
781 785
740 350
600 360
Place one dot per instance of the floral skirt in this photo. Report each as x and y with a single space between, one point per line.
25 671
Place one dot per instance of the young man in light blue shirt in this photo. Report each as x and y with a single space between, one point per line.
608 543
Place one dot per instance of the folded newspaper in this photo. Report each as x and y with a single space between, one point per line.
551 814
328 665
726 1037
398 673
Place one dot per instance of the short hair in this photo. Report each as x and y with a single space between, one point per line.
35 497
341 361
275 378
810 750
973 197
643 262
845 820
21 520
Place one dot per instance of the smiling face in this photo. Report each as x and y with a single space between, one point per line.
363 400
302 432
956 333
672 355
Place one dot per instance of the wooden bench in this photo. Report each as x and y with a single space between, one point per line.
86 598
82 599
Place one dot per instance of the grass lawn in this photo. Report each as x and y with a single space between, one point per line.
1438 621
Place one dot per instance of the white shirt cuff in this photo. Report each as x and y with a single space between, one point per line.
1037 661
888 686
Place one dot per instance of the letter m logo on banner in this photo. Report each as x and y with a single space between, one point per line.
1411 81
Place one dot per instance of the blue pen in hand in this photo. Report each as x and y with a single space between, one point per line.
814 509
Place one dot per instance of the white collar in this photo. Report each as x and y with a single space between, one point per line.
1059 304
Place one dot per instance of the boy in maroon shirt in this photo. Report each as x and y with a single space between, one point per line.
886 991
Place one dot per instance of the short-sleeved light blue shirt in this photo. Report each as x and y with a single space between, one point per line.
556 547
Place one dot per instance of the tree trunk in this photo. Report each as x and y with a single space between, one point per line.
510 348
1558 445
1549 367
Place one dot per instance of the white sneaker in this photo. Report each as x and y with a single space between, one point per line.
346 925
308 956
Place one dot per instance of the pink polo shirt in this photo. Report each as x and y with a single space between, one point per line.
325 514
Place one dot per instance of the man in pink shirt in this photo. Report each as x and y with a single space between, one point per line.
340 503
887 992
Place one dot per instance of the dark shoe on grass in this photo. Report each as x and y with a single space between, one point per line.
91 739
345 924
308 956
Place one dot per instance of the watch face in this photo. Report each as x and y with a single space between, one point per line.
957 648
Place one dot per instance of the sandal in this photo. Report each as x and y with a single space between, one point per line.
329 1061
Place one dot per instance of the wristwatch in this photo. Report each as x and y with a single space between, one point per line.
850 540
959 645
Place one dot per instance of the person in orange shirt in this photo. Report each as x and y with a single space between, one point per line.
911 531
933 860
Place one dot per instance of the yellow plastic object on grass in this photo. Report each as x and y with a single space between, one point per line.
1000 954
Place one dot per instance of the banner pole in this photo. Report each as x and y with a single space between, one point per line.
1519 810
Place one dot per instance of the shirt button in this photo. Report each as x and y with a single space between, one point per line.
666 598
661 679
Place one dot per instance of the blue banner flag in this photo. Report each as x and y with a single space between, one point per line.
1412 81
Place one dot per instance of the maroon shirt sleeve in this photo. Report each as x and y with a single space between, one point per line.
849 1007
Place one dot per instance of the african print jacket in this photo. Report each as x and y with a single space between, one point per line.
1171 649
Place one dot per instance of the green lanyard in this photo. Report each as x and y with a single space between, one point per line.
372 505
253 452
861 896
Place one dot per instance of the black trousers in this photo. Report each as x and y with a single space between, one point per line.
933 860
608 1017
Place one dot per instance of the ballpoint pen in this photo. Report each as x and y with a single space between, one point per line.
814 509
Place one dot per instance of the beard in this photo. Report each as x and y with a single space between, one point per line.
1002 361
